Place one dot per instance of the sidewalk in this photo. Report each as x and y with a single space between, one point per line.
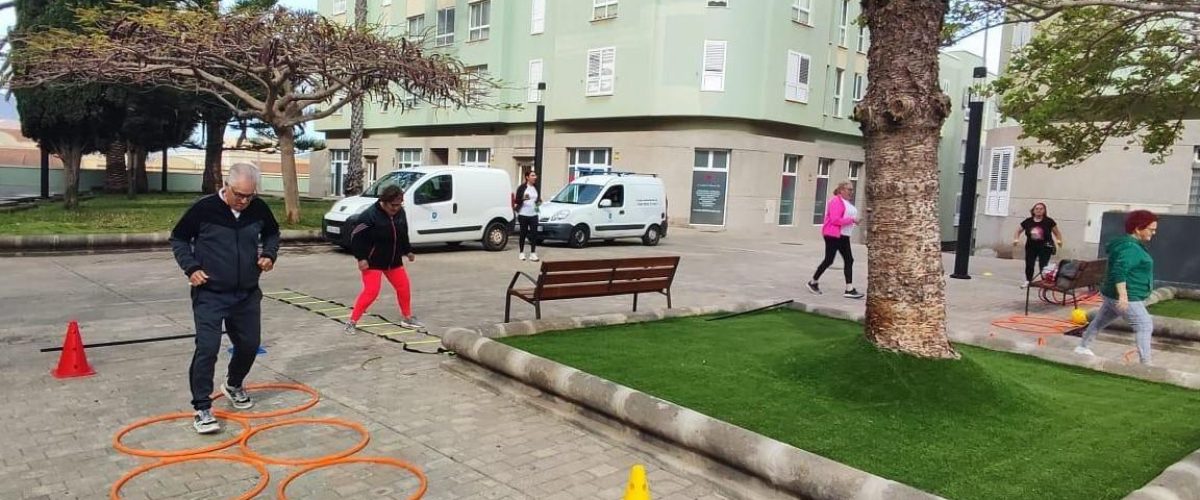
472 443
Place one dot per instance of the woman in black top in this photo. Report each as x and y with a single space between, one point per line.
380 244
1039 245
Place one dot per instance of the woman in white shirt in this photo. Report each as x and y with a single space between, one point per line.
526 205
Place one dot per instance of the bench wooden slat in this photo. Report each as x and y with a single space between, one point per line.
597 290
592 265
606 275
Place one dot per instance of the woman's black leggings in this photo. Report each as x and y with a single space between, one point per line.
1040 254
834 246
528 231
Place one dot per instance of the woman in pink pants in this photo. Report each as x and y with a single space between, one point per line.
380 244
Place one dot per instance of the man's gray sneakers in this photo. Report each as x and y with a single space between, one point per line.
205 422
237 396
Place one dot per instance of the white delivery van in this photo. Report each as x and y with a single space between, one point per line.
443 204
606 206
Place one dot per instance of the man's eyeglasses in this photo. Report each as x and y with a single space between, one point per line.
241 196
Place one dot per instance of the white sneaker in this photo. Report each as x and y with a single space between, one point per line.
533 257
1084 351
521 255
1024 285
205 423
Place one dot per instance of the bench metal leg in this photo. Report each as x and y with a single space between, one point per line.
537 309
1027 287
668 298
507 307
635 302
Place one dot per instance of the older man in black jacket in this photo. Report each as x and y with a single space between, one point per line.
217 244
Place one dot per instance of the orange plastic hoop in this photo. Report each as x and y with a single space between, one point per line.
119 446
362 443
281 493
1038 325
264 476
275 413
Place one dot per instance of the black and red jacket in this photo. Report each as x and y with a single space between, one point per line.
379 239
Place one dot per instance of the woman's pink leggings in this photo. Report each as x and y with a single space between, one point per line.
371 279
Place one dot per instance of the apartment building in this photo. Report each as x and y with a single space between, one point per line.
743 108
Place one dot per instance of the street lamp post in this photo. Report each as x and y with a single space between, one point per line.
966 206
539 135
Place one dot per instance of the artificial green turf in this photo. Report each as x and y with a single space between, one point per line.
991 425
147 213
1177 308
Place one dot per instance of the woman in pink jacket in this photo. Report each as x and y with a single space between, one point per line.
840 218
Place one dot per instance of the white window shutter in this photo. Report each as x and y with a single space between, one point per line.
713 79
1005 192
593 72
538 21
792 87
608 70
535 77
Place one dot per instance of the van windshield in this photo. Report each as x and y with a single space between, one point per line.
404 179
578 194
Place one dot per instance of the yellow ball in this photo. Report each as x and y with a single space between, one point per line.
1079 317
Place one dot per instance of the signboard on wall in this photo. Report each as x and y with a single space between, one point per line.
708 197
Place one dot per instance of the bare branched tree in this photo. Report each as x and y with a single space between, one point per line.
280 67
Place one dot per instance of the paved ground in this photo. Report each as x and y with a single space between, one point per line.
471 442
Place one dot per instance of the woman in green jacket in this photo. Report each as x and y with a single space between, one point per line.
1128 283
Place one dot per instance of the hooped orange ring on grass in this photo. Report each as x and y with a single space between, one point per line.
366 438
274 413
281 492
264 476
1037 325
119 446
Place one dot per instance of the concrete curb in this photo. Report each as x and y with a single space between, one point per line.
783 466
1180 481
1165 326
44 242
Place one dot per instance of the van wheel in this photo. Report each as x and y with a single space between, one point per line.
579 237
495 238
651 237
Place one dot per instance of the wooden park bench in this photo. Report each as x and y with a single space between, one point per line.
1070 276
577 279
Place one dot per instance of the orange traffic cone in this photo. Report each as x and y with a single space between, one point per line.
72 362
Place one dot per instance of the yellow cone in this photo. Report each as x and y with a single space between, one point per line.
637 489
1079 317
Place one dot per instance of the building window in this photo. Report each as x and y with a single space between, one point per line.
339 162
802 11
862 39
843 20
710 183
537 22
796 88
604 9
601 71
999 187
787 190
408 158
823 167
859 86
957 208
713 79
474 157
839 81
1194 197
718 3
474 74
1022 33
535 77
588 161
338 97
855 174
481 20
339 7
445 28
416 27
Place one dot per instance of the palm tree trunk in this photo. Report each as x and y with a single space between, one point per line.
140 175
114 167
900 117
214 147
287 162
